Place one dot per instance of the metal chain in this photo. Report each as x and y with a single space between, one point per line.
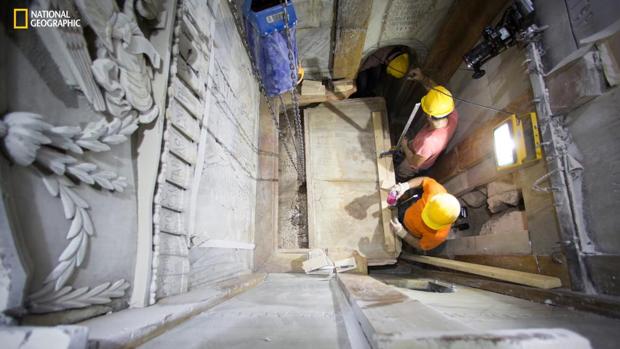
274 115
301 162
288 124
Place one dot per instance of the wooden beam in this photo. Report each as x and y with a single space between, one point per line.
329 96
519 277
459 34
385 175
545 265
351 25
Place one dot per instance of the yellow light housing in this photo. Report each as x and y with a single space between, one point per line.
517 141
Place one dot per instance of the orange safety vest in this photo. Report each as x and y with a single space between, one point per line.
429 238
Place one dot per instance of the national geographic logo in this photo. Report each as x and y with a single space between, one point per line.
20 18
24 18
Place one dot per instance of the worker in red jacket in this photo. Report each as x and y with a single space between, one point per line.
427 221
442 118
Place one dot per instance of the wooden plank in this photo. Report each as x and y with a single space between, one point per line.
329 96
385 173
545 265
351 25
519 277
459 34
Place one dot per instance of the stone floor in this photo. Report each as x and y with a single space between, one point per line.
285 311
483 310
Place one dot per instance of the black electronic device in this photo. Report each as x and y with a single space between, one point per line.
510 30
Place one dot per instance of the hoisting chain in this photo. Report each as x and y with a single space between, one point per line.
261 87
301 162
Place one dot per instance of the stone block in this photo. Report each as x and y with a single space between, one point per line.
511 221
500 186
609 51
502 195
575 83
503 201
473 199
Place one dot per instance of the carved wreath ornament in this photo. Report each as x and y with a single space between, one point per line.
52 152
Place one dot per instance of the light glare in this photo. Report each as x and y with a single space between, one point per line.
504 145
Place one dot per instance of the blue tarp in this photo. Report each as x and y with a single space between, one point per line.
267 39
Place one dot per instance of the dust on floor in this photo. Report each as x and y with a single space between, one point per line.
292 202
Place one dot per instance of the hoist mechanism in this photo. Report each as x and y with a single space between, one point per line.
268 35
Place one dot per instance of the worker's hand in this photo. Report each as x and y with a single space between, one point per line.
400 189
398 228
415 74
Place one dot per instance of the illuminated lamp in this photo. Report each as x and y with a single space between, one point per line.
517 142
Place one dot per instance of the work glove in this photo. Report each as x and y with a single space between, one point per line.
400 189
398 228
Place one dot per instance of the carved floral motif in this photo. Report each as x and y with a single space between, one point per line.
122 72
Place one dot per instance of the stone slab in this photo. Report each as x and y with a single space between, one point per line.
342 180
60 337
286 311
132 327
385 313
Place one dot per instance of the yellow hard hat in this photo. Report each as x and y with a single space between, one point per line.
440 211
438 102
399 66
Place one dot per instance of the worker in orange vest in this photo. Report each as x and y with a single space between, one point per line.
427 221
442 118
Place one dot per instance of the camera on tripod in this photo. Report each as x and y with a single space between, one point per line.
510 30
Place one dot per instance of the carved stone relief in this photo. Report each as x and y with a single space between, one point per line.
170 196
181 146
120 67
121 70
27 139
184 122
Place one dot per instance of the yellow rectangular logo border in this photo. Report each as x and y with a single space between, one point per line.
15 12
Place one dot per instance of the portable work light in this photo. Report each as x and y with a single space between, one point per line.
517 141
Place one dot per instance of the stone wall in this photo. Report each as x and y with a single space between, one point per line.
90 138
207 184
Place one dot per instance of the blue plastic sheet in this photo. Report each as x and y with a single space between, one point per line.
267 39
